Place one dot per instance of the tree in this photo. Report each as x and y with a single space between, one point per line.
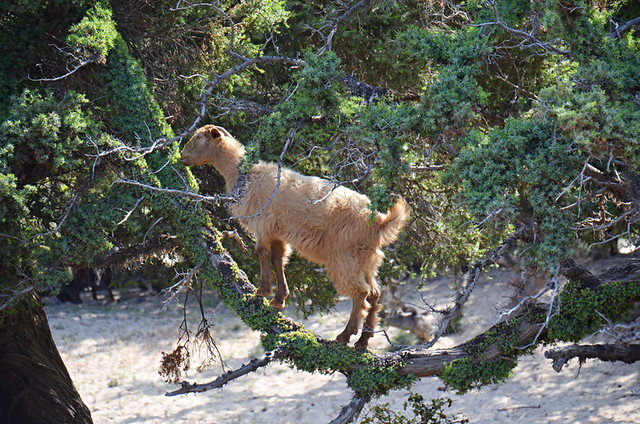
507 125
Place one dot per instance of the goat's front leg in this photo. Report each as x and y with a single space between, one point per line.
265 271
278 250
354 319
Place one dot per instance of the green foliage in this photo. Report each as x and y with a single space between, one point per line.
423 412
466 374
505 334
135 112
366 378
451 61
584 310
311 291
95 34
314 94
518 172
43 151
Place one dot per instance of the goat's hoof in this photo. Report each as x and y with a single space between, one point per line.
343 339
276 304
263 293
361 345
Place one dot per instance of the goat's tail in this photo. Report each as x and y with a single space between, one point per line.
393 222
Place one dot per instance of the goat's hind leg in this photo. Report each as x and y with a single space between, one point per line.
354 319
265 270
371 321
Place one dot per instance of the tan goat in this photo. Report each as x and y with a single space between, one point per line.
324 224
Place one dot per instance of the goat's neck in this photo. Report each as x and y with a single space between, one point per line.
229 169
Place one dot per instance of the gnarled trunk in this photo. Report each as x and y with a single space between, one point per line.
35 387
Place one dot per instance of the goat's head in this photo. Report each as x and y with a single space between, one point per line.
203 145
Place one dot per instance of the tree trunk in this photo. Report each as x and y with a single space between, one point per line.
35 387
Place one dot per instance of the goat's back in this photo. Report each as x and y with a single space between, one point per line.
312 215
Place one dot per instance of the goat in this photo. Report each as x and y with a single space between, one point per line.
401 315
84 278
331 226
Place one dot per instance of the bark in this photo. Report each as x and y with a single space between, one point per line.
35 386
425 363
607 352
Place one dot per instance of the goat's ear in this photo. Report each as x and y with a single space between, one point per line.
214 133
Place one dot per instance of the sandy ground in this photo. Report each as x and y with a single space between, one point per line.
113 351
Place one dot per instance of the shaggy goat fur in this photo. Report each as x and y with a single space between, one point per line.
328 225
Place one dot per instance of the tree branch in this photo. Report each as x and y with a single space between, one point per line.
351 411
621 29
523 34
469 281
424 363
225 378
334 28
607 352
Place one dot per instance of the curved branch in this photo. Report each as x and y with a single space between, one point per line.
606 352
424 363
334 28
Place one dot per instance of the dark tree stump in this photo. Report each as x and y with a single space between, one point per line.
35 387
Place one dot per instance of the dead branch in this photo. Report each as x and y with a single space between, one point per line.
334 27
75 56
225 378
351 411
233 235
606 352
469 281
178 287
621 29
14 296
190 194
524 35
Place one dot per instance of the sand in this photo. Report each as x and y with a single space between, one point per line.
113 350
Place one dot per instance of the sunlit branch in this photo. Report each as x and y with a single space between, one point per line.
190 194
252 366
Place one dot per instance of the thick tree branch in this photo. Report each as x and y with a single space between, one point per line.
424 363
124 256
571 269
607 352
629 271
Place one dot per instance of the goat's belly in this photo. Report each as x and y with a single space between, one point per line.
313 246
